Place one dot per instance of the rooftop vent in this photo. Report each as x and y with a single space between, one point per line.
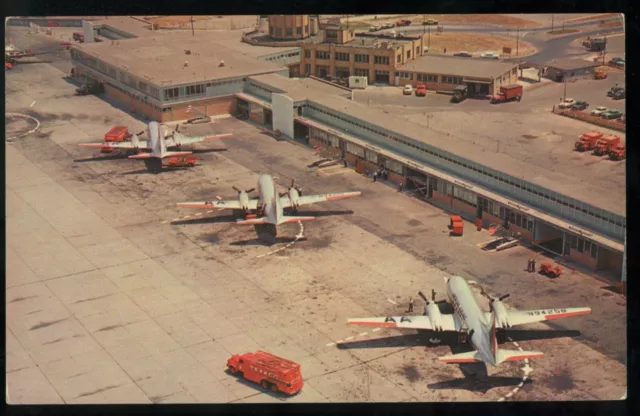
221 63
187 52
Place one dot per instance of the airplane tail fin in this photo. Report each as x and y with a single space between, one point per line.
506 355
288 219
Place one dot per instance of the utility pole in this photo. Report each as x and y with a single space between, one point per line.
552 16
565 86
604 51
429 41
517 40
193 33
424 26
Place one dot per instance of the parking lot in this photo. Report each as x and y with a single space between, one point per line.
116 295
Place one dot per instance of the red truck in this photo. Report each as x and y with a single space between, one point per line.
588 141
271 372
421 90
606 145
403 22
619 152
508 93
117 134
182 161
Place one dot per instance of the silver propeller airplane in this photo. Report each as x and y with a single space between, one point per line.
469 318
154 129
269 205
158 147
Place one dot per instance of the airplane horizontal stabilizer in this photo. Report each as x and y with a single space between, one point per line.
506 355
253 221
218 137
141 156
288 219
464 357
172 154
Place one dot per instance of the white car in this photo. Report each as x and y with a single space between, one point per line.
599 110
489 55
567 103
407 90
374 28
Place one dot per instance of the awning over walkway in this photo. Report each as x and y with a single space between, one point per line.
475 81
254 99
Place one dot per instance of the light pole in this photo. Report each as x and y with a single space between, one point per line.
565 86
193 33
517 40
552 16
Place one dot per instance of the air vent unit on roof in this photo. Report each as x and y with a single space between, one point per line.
221 63
187 52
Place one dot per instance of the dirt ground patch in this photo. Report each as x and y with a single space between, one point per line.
612 24
203 22
486 19
473 42
591 18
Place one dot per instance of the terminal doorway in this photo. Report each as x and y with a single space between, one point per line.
549 238
268 118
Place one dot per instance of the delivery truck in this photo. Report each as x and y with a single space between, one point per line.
271 372
508 93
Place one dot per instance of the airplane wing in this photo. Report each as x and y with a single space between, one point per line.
312 199
142 145
405 322
540 315
230 204
183 140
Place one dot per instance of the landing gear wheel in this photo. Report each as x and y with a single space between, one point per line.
233 370
274 388
265 384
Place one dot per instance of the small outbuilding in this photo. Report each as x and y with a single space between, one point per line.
557 70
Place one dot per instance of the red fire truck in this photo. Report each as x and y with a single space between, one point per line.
271 372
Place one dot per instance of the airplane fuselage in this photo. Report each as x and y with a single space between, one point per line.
471 317
269 201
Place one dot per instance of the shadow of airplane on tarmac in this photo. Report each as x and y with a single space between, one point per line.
219 219
319 214
478 384
258 242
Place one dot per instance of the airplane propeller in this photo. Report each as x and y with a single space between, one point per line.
248 191
433 297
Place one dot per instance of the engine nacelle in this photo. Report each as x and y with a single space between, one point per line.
294 197
433 311
502 316
243 197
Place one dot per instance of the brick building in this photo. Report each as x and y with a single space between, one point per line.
341 54
292 27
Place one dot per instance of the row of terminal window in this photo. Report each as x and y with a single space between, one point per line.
472 167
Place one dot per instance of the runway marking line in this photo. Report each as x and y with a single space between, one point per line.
375 330
391 301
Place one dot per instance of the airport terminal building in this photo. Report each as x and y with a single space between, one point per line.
544 208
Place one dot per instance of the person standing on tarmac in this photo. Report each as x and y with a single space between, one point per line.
410 304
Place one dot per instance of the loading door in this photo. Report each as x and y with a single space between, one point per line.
549 238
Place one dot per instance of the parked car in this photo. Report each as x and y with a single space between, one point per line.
611 114
374 28
464 54
613 91
567 103
598 111
407 90
580 106
388 25
620 94
617 62
430 22
403 22
622 119
489 55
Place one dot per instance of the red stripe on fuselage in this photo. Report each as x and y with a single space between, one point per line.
338 197
566 315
